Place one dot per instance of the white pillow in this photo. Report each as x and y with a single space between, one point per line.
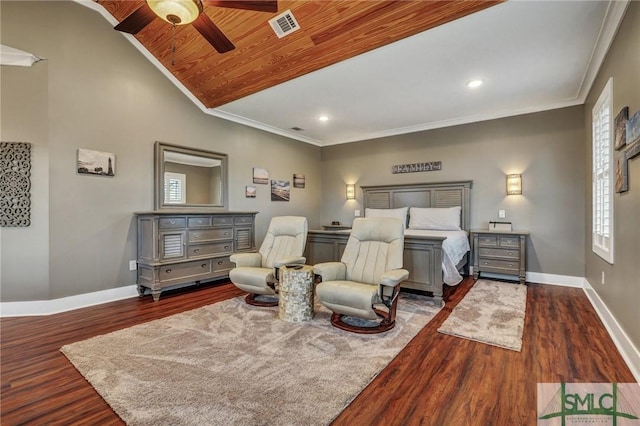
400 213
441 219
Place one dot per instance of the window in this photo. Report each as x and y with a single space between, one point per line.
602 174
175 188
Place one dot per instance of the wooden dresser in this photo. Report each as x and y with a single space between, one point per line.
501 252
181 247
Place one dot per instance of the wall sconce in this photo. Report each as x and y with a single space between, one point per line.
514 184
351 191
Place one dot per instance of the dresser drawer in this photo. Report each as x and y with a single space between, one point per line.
499 253
172 222
222 220
210 235
502 265
209 249
180 271
199 221
222 266
243 220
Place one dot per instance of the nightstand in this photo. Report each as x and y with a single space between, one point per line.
499 252
335 227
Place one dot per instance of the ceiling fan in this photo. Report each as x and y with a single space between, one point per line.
182 12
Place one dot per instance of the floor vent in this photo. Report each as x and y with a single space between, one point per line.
284 24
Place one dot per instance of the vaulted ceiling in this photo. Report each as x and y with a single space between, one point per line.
381 68
331 31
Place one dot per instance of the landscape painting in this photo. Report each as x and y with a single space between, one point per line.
298 180
260 175
620 126
280 190
250 191
96 162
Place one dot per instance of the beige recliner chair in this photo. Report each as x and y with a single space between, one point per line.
256 273
367 278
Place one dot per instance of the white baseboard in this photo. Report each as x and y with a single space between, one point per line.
540 278
48 307
625 346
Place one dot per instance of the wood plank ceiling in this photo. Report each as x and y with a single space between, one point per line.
330 32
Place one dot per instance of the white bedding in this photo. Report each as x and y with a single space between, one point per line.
453 250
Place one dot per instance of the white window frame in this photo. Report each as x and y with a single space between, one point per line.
181 179
602 230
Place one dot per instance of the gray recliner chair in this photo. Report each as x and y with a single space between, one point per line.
366 282
257 273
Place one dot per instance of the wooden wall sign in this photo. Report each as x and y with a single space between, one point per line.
430 166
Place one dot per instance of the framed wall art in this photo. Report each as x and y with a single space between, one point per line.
260 175
96 163
280 190
620 127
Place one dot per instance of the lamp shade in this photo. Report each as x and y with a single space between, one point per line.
351 191
178 12
514 184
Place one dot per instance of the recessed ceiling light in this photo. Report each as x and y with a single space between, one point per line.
323 118
474 83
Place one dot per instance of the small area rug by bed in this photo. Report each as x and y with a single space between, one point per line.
234 364
491 312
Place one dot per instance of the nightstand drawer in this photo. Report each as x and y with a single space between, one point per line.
508 241
503 265
488 240
499 253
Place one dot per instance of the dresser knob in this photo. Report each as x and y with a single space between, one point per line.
220 262
510 265
196 235
226 233
226 247
173 222
196 250
168 271
204 265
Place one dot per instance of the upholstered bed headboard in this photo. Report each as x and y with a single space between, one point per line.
442 194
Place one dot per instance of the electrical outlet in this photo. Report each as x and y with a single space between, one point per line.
133 265
502 214
602 281
356 213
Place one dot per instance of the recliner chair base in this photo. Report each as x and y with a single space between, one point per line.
387 323
251 299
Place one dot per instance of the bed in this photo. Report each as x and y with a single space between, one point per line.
432 257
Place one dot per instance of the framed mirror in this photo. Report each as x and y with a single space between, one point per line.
189 177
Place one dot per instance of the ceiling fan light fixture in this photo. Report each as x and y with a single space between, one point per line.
177 12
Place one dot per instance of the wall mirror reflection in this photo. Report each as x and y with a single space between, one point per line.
189 177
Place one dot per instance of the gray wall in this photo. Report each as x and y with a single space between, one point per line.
621 291
547 148
96 91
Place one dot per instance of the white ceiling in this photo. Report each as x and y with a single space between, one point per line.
532 56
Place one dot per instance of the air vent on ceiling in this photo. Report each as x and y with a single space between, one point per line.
297 129
284 24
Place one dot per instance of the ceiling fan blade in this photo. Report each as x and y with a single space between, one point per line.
139 19
212 33
257 5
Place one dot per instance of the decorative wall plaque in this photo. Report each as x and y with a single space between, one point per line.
15 184
417 167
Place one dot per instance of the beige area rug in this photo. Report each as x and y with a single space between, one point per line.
491 312
232 364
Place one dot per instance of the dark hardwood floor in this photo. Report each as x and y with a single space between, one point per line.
436 380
